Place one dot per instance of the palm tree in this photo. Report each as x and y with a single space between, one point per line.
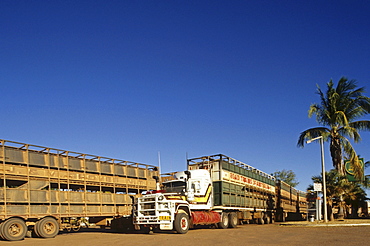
341 193
339 108
333 189
354 197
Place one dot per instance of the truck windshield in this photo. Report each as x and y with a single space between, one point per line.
174 186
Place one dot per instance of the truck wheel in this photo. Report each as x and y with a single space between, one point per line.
47 227
233 220
272 219
181 223
1 236
13 229
76 228
224 223
261 218
260 221
284 216
267 219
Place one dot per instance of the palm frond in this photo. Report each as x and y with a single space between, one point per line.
341 118
362 125
312 133
364 102
351 132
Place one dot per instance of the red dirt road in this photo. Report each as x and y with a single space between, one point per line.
243 235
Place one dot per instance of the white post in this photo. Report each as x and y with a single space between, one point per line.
323 175
323 179
317 207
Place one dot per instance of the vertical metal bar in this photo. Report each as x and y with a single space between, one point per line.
85 187
68 185
49 179
59 183
28 179
114 187
4 179
100 188
324 179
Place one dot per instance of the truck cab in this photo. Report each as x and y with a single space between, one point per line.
173 207
197 188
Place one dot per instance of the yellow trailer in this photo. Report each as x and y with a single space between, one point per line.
44 190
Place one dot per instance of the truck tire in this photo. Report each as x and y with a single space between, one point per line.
181 223
233 220
267 219
260 221
260 218
76 227
47 227
1 236
273 219
13 229
224 223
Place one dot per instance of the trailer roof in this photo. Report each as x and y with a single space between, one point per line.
220 157
67 153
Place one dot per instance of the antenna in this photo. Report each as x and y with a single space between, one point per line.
159 161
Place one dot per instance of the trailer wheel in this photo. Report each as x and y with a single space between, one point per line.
181 223
267 219
224 223
233 220
1 229
76 227
284 216
13 229
273 219
261 219
47 227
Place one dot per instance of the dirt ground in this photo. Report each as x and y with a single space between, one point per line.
272 234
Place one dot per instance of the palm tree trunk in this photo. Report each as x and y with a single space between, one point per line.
336 155
341 209
329 206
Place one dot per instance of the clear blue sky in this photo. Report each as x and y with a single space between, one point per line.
126 79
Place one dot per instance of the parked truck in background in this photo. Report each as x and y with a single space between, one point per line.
214 190
44 190
291 204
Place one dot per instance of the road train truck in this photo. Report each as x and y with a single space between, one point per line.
214 190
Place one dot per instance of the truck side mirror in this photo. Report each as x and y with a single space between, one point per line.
157 182
188 174
156 178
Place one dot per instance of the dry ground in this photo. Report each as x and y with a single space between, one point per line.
243 235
